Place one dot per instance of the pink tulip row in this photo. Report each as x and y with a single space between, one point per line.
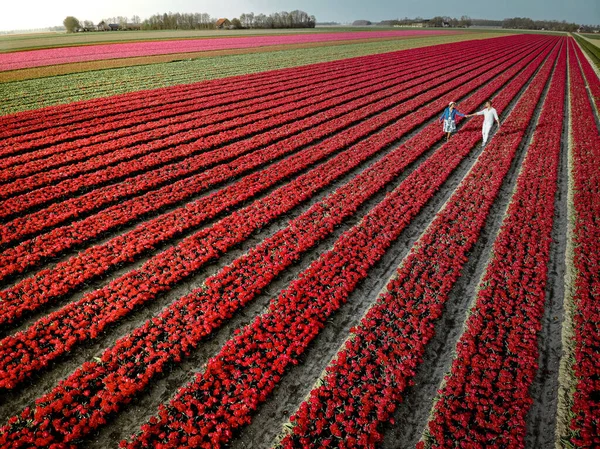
365 383
241 376
586 201
126 106
31 252
66 55
219 109
485 399
102 307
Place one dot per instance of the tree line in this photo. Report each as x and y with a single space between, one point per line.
283 19
437 21
525 23
520 23
197 21
179 21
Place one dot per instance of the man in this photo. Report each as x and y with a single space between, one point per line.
489 115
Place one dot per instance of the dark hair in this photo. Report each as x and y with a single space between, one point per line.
489 101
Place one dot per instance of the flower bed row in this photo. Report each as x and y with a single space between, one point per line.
485 399
65 277
222 398
585 150
184 99
366 381
128 367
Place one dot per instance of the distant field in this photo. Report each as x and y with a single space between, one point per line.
51 40
591 47
592 39
67 55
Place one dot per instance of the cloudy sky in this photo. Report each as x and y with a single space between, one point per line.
28 14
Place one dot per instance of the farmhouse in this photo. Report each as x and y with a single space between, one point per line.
223 23
102 26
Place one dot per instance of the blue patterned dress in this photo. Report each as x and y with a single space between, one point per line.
449 119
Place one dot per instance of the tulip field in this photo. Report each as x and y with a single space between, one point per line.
296 257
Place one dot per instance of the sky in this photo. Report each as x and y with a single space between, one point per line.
30 14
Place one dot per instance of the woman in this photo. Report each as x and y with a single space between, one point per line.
449 119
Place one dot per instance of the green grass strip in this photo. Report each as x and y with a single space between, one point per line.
592 51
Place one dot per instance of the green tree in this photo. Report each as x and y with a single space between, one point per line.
236 24
71 24
465 21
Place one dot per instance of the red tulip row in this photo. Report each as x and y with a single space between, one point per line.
31 252
155 126
98 389
71 274
120 123
241 376
585 148
366 381
485 399
139 102
126 123
176 142
101 388
57 333
590 75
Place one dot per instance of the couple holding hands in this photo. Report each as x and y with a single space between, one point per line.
489 115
